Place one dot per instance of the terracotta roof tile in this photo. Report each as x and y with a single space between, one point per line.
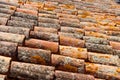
57 39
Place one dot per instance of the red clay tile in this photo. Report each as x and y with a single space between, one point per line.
24 20
115 45
47 15
15 30
25 15
60 15
95 34
67 64
69 24
32 12
72 30
8 49
43 29
69 20
44 36
48 20
32 55
72 35
4 64
6 11
103 71
15 23
96 40
80 53
49 25
106 49
10 37
35 43
103 58
61 75
32 71
71 41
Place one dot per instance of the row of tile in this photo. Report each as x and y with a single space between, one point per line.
35 72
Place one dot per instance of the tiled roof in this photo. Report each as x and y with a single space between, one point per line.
59 40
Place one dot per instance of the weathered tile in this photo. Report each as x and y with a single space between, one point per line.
103 58
69 20
43 29
32 55
47 12
103 71
44 36
62 75
82 24
66 11
67 41
80 53
47 15
72 35
10 37
34 4
68 64
6 11
20 24
70 24
106 49
96 40
60 15
114 38
28 6
113 33
94 29
48 20
27 11
95 34
29 71
35 43
8 7
9 3
88 20
4 64
8 49
72 30
24 20
24 15
116 52
15 30
49 25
